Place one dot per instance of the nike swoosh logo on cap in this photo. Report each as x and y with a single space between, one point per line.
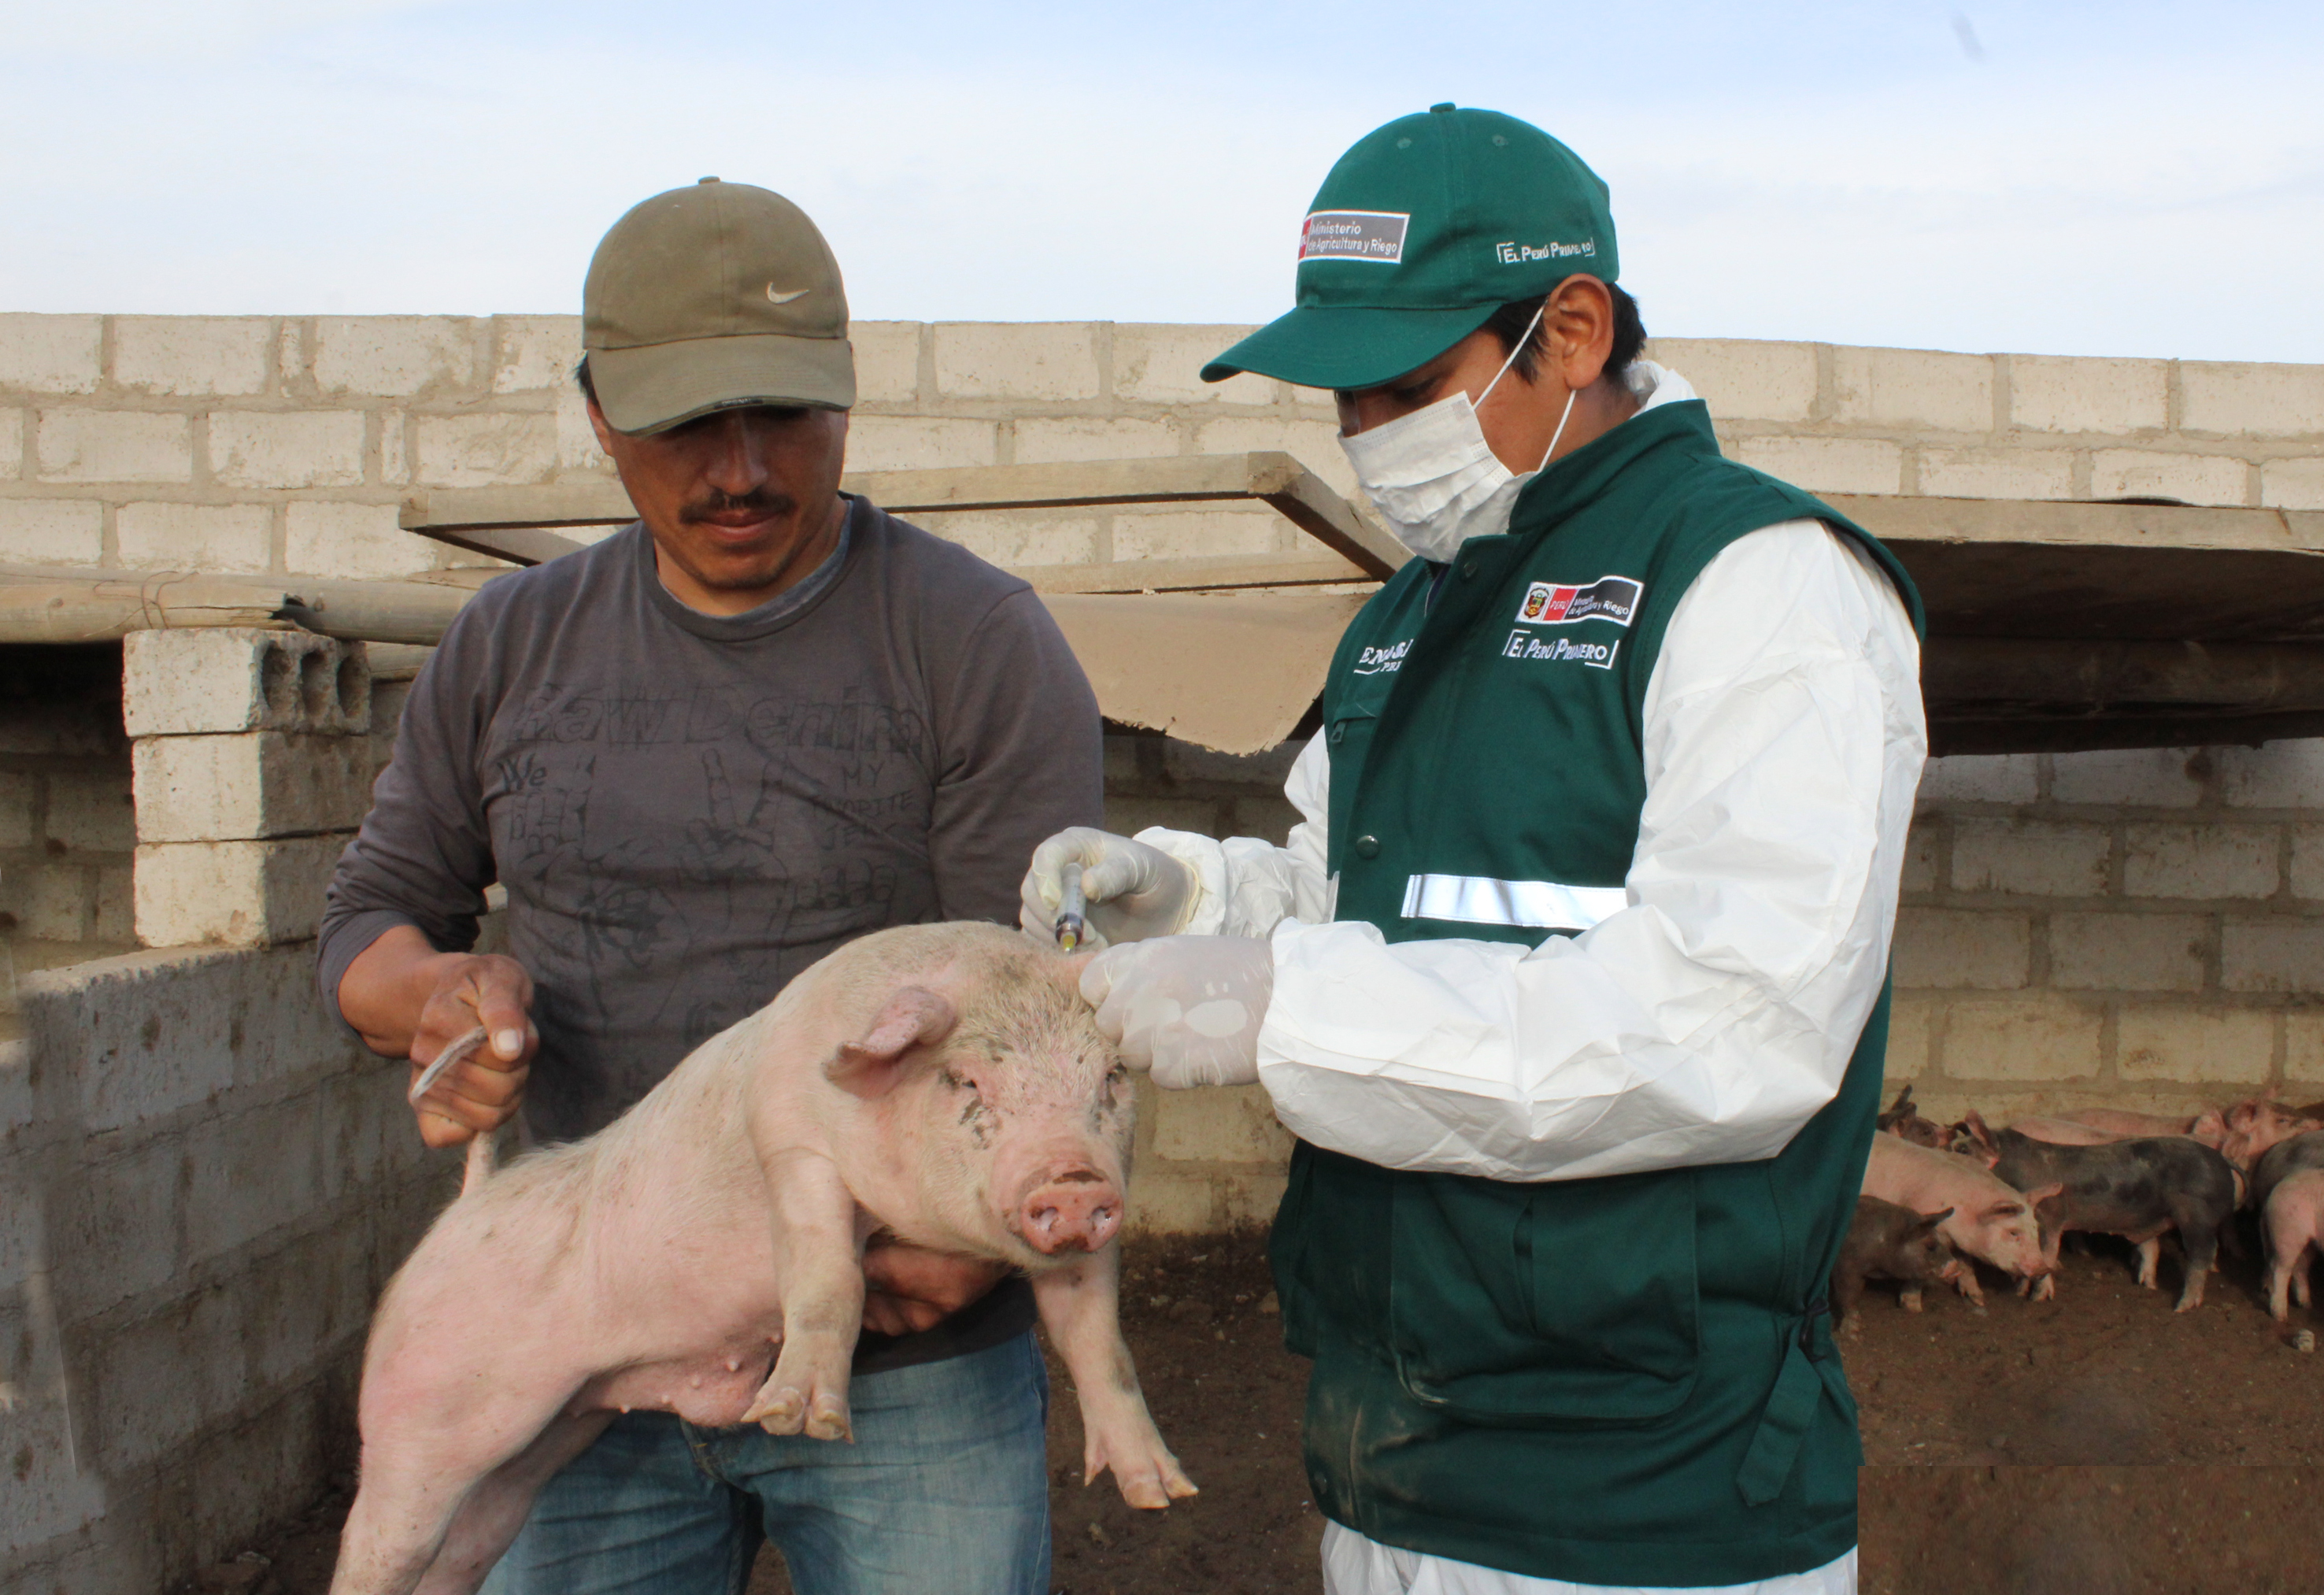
783 299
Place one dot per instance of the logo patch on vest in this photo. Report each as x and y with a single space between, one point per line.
1608 598
1382 661
1572 650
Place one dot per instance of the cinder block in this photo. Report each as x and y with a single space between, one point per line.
90 810
2283 484
1912 388
359 541
2190 478
1961 949
533 352
1186 534
1236 1125
394 356
195 537
2276 775
114 1228
191 354
1078 437
20 802
302 448
2031 857
2127 952
484 450
2272 953
311 1304
50 900
913 443
53 531
1269 818
192 682
1015 539
2307 861
12 443
2204 861
1981 777
2138 777
2054 395
1157 364
114 446
1314 444
1189 763
251 1172
2028 1038
2251 400
2303 1047
887 361
252 784
1246 1199
2195 1044
51 353
1910 1028
395 439
1922 847
1828 465
155 1382
1052 360
1126 815
1997 473
1744 379
237 894
1165 1202
113 902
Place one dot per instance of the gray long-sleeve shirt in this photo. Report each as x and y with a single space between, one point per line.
688 811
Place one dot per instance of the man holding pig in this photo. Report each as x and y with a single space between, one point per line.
1572 980
765 720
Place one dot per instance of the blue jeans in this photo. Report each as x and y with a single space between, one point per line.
945 1491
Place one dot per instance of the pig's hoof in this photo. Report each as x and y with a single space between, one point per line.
778 1412
829 1420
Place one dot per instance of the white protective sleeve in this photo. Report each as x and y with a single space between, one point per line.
1706 1021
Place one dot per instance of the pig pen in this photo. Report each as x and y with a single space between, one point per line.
2099 1443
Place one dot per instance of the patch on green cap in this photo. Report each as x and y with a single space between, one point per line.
1421 231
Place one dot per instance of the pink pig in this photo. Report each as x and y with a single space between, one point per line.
941 1083
1990 1220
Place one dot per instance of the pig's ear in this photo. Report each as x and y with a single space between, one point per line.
914 1017
2040 1193
1929 1221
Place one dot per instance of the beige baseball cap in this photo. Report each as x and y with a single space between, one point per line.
714 296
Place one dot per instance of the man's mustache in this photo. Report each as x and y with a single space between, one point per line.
761 503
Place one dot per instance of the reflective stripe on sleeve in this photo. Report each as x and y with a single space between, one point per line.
1534 905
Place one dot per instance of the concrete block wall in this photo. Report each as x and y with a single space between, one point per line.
66 824
282 446
204 1183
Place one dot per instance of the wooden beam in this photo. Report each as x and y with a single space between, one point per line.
1194 575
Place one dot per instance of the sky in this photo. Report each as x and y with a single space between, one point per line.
2128 178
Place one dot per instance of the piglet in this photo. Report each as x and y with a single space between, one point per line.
2288 1187
1903 1118
1885 1241
2138 1189
1987 1219
943 1085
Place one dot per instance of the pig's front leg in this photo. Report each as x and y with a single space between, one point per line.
1082 1311
819 1273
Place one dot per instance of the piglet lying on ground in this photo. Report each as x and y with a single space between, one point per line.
1885 1241
1987 1219
2288 1188
2137 1189
943 1084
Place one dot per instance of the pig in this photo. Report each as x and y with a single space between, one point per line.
2249 1129
2126 1125
1885 1241
2138 1189
941 1084
2288 1187
1903 1118
2058 1132
1988 1221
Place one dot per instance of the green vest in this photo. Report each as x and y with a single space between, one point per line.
1625 1381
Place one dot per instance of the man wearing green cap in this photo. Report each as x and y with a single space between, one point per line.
765 719
1572 983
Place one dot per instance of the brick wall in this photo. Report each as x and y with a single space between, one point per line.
66 824
282 445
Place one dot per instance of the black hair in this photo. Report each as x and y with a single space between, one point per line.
588 384
1509 324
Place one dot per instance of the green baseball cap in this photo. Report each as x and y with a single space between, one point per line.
710 297
1421 231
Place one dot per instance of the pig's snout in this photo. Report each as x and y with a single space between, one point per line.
1077 1210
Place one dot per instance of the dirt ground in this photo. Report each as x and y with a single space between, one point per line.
2099 1444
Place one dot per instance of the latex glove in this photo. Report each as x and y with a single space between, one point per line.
1186 1007
1134 891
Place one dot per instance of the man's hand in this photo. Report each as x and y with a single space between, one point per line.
409 1001
1189 1008
1133 890
909 1290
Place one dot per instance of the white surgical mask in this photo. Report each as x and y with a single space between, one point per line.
1432 476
